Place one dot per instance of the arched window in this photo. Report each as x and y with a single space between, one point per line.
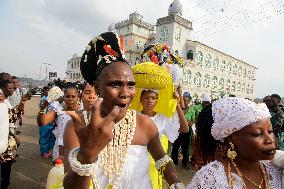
245 73
214 82
221 83
189 55
233 86
229 67
248 89
239 86
249 75
208 61
197 79
240 71
235 69
186 76
244 88
223 66
228 85
199 57
206 81
216 64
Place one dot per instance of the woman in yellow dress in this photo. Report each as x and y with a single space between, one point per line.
157 96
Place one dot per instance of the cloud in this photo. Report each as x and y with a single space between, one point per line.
37 31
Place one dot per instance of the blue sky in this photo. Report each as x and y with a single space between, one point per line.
37 31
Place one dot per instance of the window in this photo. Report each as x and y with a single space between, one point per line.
208 61
199 57
206 81
214 82
216 64
239 86
228 85
249 75
233 86
186 76
229 67
235 69
248 89
164 33
189 55
221 83
244 88
245 73
223 66
240 71
197 79
251 89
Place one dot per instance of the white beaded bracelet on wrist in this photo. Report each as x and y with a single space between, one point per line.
162 162
177 186
77 167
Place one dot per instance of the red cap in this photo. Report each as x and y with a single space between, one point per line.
58 161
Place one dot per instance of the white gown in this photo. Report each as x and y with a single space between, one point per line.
168 126
213 176
135 171
61 121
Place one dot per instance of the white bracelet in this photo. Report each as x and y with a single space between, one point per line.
163 161
177 186
77 167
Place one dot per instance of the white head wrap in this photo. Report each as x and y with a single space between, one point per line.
206 97
232 114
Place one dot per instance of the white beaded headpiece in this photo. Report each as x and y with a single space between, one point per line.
232 114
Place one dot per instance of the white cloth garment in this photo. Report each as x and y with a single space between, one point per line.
9 106
231 114
15 99
135 173
279 162
168 126
213 176
58 132
61 120
4 127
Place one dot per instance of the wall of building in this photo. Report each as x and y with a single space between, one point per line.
218 74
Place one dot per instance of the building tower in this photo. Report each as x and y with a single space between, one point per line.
173 29
136 34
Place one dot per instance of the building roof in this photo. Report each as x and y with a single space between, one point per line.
175 8
221 53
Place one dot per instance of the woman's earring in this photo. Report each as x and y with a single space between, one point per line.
231 153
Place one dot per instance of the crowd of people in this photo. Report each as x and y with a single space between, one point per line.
124 128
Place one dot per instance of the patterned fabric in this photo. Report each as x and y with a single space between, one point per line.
277 121
213 176
232 114
15 114
100 52
46 137
11 151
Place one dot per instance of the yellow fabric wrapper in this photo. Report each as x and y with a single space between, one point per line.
155 177
151 76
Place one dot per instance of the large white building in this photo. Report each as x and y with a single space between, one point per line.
206 69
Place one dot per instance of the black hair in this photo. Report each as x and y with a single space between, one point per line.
14 77
70 86
4 83
276 96
145 91
45 88
209 147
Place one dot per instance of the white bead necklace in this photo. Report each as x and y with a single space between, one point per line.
113 156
